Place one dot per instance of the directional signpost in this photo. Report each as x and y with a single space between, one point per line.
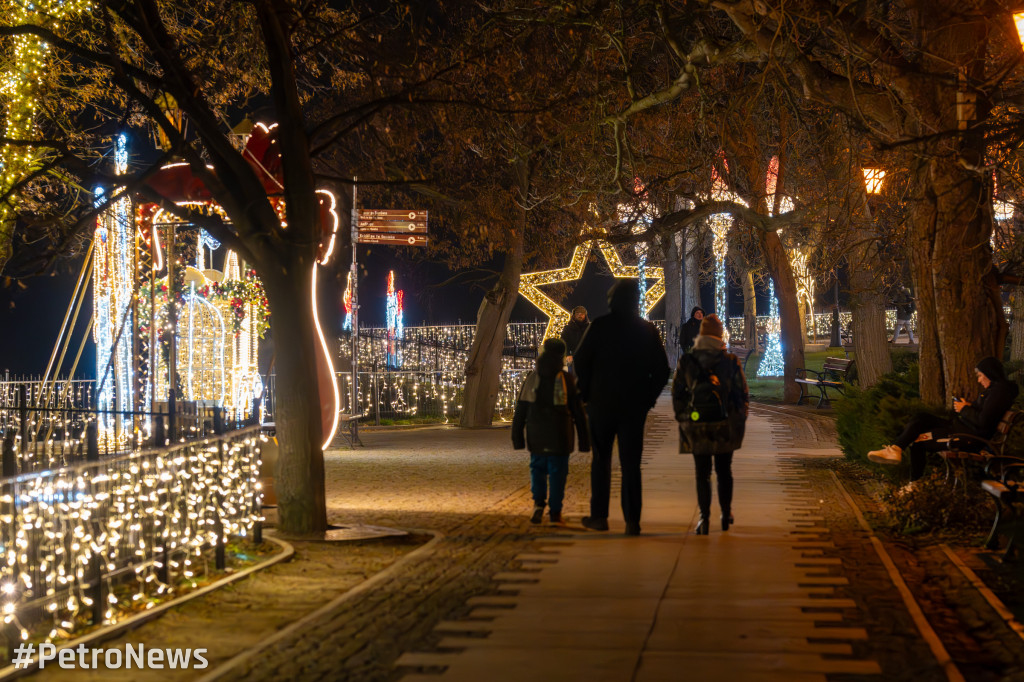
392 227
382 227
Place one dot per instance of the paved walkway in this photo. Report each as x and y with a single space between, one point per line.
755 603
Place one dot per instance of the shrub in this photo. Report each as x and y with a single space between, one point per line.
870 418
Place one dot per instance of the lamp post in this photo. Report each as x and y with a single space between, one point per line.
873 179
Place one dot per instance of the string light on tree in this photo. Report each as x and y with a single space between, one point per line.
771 362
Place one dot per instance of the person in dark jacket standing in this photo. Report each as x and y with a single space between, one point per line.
690 329
548 407
573 332
930 433
904 311
710 372
622 368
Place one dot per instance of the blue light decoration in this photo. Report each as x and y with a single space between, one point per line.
395 323
113 278
771 362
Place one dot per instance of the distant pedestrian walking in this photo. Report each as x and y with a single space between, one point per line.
711 401
690 329
548 407
573 332
622 368
904 311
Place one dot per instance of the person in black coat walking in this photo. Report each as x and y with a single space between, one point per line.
711 373
547 409
690 329
573 332
930 433
622 368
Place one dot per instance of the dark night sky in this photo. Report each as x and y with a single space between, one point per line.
30 318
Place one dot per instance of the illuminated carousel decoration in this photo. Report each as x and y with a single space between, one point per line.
212 318
558 317
113 281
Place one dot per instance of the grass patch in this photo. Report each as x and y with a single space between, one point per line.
769 389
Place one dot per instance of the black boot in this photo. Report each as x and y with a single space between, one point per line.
702 526
727 521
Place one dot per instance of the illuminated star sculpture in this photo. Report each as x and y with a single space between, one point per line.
558 316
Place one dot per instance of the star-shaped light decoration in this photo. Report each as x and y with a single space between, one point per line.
558 316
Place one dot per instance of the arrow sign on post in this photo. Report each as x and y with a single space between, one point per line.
392 239
392 227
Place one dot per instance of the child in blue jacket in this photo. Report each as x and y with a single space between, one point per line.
548 409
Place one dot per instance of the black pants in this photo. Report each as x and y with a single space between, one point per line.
604 429
940 428
723 472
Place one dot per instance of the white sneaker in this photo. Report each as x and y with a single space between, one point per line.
890 454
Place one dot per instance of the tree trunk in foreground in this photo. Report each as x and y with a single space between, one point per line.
959 308
1017 325
299 475
749 311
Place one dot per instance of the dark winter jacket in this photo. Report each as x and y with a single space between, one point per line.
904 305
689 331
548 407
572 334
982 416
716 438
621 362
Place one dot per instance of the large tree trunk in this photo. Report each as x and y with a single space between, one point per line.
790 323
673 296
299 475
749 311
867 302
959 308
1017 325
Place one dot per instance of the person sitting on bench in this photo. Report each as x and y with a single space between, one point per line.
930 433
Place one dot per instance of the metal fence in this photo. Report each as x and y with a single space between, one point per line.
83 541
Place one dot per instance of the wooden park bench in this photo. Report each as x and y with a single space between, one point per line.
968 452
1008 492
741 353
831 376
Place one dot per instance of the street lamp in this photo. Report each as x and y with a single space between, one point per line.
1018 21
873 178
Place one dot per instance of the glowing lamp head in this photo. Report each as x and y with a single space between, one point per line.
1018 22
873 178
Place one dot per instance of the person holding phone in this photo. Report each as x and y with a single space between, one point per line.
930 433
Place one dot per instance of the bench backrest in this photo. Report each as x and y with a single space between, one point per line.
837 364
1006 425
740 351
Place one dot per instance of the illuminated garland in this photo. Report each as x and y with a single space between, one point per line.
134 512
558 316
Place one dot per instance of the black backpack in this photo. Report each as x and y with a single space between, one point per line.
709 395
